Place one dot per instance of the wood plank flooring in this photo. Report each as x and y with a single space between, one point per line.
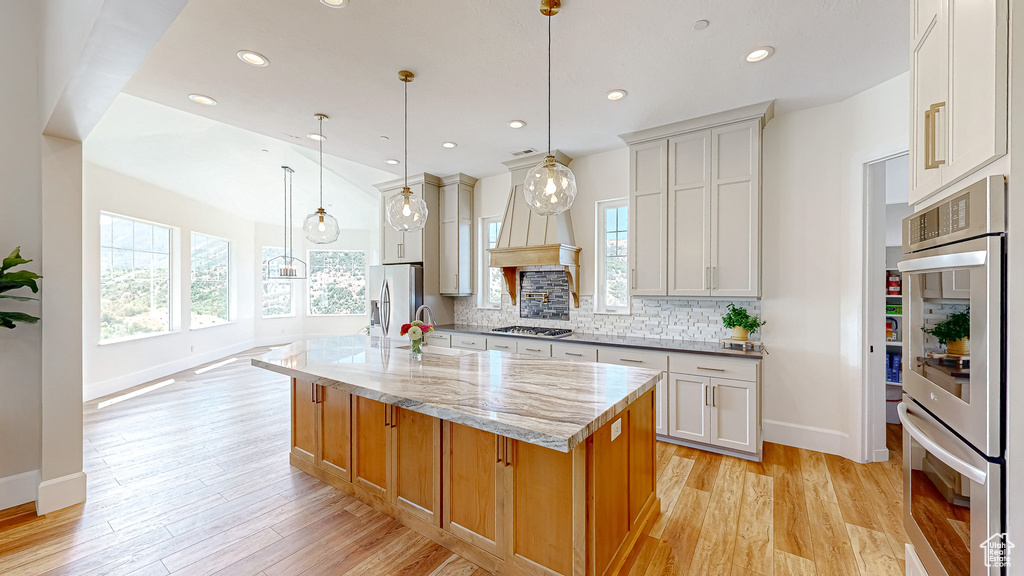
193 478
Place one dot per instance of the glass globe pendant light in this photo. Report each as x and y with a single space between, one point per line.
405 212
550 187
320 227
286 266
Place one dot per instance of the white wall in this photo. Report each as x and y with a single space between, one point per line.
21 203
112 367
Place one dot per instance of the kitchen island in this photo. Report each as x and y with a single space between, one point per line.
522 465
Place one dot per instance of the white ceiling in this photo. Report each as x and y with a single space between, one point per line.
479 64
227 167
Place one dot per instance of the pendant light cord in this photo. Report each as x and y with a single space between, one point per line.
321 162
406 82
549 81
285 211
289 230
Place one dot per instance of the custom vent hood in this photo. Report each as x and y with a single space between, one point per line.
529 239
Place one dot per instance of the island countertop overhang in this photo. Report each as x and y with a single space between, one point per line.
547 402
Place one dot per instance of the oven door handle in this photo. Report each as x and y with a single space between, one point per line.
976 258
965 468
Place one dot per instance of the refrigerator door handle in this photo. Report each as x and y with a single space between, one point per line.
385 306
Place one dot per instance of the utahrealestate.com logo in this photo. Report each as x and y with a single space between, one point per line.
997 551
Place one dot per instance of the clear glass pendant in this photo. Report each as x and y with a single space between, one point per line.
406 213
550 187
321 228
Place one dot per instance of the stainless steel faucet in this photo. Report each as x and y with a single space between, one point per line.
428 316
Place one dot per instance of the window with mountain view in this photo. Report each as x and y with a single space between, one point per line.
135 279
337 282
211 289
612 294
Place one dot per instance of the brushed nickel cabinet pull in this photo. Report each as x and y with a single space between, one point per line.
533 349
712 369
706 403
573 354
631 360
468 343
714 390
707 277
634 278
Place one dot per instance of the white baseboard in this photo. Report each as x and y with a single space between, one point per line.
881 455
807 437
60 493
18 489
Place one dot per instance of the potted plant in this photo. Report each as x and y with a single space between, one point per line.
741 322
954 333
13 281
415 330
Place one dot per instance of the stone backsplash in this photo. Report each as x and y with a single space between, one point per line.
697 319
536 286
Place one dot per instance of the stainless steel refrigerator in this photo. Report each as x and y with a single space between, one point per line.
396 291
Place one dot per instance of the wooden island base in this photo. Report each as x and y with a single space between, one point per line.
507 505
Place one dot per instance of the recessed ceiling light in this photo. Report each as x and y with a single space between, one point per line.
315 136
617 94
392 161
335 3
701 24
760 54
200 99
449 144
253 58
516 124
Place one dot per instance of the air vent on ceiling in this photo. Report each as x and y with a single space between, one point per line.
523 152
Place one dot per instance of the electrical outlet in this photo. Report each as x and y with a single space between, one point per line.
616 428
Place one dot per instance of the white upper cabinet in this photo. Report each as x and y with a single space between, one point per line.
410 247
456 229
695 206
958 75
648 173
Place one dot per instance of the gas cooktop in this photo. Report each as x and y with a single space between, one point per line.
534 331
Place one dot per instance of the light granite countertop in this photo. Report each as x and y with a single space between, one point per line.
550 403
657 344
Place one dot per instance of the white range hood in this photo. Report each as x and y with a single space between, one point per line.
529 239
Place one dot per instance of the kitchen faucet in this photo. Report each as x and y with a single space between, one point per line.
428 316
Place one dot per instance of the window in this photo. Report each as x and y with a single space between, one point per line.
337 282
612 290
277 294
490 278
135 278
210 280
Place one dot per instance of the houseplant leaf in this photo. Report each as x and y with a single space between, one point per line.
7 319
13 260
18 298
20 279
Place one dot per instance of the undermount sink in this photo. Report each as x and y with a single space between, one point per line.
438 350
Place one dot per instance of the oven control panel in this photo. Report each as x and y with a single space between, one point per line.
977 210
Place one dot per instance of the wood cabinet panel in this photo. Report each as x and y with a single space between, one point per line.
303 419
336 432
642 467
612 494
542 506
417 463
371 433
473 492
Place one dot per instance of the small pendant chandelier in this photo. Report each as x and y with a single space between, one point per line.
406 213
286 266
320 227
550 187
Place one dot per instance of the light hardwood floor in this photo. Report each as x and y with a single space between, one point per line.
193 478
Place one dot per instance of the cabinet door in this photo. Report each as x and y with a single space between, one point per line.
931 285
335 432
642 465
371 446
648 221
929 91
448 268
661 407
541 500
736 210
689 215
734 414
689 407
417 464
956 284
978 86
391 240
413 241
474 497
304 420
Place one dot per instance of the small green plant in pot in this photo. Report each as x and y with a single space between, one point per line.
741 322
12 281
954 333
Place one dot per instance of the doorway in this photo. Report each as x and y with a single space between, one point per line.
887 197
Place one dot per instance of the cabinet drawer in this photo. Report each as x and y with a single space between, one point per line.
636 358
469 341
501 344
440 340
715 367
532 348
575 352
